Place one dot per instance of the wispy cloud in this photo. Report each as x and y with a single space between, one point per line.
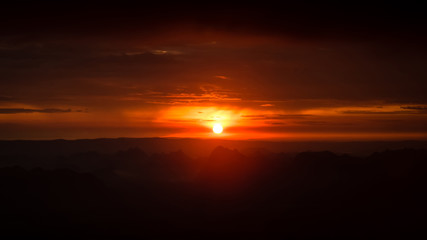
408 110
420 108
375 112
204 94
275 116
5 99
27 110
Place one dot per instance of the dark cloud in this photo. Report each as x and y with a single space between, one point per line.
407 110
109 67
313 123
375 112
420 108
276 116
26 110
6 99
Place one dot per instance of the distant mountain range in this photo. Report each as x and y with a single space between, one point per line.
132 194
194 147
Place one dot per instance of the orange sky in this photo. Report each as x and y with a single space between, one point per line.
173 75
265 121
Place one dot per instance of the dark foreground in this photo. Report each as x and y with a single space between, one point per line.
130 194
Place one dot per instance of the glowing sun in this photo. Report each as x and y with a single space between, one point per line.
217 128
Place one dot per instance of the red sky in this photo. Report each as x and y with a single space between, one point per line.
174 72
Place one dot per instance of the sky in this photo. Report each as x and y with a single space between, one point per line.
274 72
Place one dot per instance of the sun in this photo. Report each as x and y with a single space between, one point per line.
217 128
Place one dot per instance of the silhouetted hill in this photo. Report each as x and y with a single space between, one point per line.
192 147
225 169
223 159
134 194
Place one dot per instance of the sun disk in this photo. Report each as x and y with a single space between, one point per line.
217 128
